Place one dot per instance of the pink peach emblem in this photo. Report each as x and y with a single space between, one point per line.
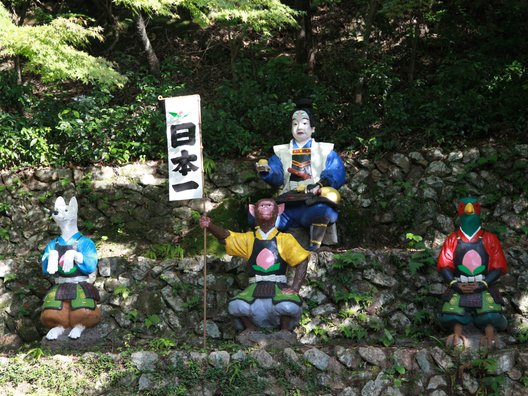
472 260
265 258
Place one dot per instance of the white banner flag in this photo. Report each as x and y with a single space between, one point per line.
185 147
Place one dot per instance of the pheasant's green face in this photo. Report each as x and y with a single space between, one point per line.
469 212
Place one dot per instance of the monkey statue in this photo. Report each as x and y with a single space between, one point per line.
268 302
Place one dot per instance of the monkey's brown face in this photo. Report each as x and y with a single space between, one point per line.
266 210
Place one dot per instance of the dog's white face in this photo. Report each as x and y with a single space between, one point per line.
63 213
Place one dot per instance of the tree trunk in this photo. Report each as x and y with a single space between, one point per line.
152 58
235 43
369 23
412 58
20 15
304 46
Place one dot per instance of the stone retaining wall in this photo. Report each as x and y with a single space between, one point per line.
380 292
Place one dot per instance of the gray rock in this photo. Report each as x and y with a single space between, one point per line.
317 358
179 357
6 267
471 155
349 391
144 360
379 278
405 358
418 158
90 338
238 356
211 329
219 359
347 356
399 321
324 310
172 320
470 383
146 382
423 358
436 381
176 303
445 223
373 355
263 359
401 161
377 386
443 360
170 277
455 156
438 168
290 355
198 356
505 361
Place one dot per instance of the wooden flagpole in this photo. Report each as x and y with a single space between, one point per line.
204 281
204 246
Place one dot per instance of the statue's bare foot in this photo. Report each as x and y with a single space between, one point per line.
489 339
76 332
456 341
488 343
55 332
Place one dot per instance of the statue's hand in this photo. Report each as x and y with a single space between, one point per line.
69 257
289 290
262 166
205 222
313 188
78 258
53 262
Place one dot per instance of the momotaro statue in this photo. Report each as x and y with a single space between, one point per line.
268 302
71 257
470 262
309 173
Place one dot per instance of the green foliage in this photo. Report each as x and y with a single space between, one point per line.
151 321
24 145
165 251
4 234
387 339
349 259
209 166
419 260
352 296
50 50
4 208
470 81
122 291
192 303
262 16
414 241
162 344
522 334
354 331
35 353
133 315
10 277
484 369
395 373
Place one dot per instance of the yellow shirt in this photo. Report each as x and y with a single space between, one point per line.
240 244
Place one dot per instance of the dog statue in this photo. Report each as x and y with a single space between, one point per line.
70 258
